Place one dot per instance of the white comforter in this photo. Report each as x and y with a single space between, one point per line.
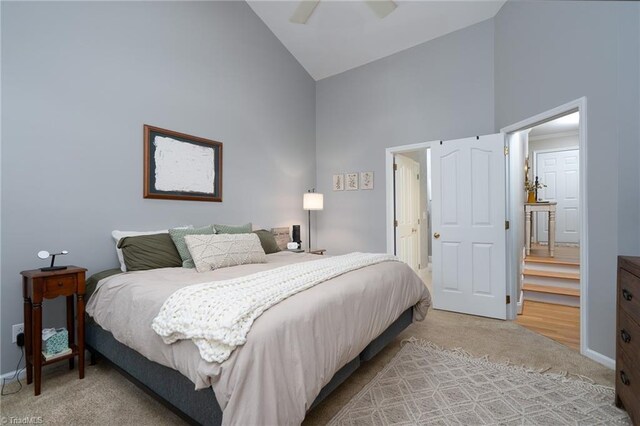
292 350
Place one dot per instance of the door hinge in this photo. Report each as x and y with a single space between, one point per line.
395 167
418 221
508 299
506 224
418 176
395 223
506 150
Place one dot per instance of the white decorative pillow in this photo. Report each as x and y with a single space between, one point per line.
118 235
222 250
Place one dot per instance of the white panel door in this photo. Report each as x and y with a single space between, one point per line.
468 223
559 171
407 210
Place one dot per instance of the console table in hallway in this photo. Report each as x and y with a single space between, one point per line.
550 209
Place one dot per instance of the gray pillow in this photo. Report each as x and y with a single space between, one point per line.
233 229
154 251
268 241
178 234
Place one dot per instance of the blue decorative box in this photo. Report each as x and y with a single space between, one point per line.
54 340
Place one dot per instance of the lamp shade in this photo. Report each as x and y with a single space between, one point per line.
312 201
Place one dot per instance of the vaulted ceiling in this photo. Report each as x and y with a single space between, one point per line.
341 35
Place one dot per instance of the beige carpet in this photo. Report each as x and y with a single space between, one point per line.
105 397
427 385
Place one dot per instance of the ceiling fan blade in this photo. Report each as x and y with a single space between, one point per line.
381 7
304 11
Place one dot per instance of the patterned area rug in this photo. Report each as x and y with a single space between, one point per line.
426 385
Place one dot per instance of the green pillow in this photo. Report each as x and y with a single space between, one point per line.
233 229
178 234
153 251
268 241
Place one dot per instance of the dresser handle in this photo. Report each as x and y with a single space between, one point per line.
627 295
60 283
624 378
626 337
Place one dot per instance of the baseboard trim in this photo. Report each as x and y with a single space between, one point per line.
600 359
10 377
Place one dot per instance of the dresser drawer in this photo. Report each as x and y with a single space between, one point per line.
629 336
629 294
628 386
59 286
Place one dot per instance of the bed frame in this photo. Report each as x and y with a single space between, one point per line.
177 392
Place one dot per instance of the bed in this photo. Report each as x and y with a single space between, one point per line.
296 353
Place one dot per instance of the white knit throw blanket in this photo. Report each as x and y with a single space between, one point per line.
218 315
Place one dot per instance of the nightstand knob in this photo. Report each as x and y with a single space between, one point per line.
60 283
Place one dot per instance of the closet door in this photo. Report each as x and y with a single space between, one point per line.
407 190
559 171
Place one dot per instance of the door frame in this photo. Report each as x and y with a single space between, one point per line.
389 183
534 167
579 105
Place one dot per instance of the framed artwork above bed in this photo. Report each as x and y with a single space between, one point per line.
181 167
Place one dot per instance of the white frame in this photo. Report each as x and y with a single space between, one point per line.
581 106
388 170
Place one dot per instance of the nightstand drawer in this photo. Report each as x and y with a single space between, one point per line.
629 294
59 286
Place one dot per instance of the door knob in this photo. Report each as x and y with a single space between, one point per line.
436 235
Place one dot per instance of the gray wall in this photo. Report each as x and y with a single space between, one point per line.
540 55
78 82
80 79
570 50
442 89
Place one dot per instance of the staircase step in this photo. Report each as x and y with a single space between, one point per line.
552 274
551 260
552 290
551 267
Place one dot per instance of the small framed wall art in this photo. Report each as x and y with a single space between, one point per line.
338 182
181 167
366 180
351 181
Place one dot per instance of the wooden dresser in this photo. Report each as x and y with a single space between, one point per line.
628 337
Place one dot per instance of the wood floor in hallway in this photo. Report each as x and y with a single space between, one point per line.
563 254
557 322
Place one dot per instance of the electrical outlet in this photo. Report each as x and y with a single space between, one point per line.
15 330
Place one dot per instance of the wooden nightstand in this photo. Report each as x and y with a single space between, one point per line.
36 286
317 251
